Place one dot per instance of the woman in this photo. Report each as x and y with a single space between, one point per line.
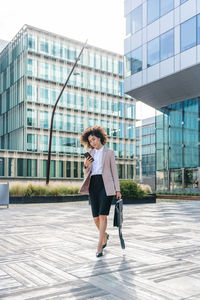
100 180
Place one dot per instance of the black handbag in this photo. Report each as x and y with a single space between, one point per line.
118 220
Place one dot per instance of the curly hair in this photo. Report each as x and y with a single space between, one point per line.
97 131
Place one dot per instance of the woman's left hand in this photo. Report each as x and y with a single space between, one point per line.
118 195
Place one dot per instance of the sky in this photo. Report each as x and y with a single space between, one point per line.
102 22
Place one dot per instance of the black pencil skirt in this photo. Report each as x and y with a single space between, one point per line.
100 202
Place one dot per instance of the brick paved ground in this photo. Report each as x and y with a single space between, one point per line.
48 252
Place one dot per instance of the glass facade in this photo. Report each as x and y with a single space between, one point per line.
148 134
133 62
190 33
32 72
134 20
169 43
158 8
160 48
177 145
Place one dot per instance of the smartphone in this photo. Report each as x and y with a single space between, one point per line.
87 154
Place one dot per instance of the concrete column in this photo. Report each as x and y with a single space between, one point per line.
134 172
38 168
57 167
6 166
14 167
198 178
183 181
72 169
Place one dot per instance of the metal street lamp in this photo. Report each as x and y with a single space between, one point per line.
54 108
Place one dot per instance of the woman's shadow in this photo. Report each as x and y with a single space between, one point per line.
107 275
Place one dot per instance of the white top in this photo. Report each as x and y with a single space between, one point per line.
97 163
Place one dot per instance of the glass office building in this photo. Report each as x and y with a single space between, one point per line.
162 69
145 151
33 68
3 44
177 145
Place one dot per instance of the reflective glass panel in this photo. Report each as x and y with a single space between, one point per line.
153 10
32 42
153 52
167 45
136 60
166 6
128 24
133 62
136 19
198 29
188 34
44 46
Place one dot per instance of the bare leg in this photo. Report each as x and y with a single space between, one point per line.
97 222
102 229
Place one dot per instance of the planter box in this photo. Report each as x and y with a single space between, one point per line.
178 197
151 198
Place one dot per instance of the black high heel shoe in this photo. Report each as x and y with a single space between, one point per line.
99 254
104 246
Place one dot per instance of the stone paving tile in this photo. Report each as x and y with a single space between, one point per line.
47 251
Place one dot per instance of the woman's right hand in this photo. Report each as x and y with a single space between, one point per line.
88 162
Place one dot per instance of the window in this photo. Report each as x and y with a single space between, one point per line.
104 63
128 24
153 10
68 169
167 45
120 63
44 119
183 1
166 6
134 20
1 166
130 131
31 117
32 67
31 142
188 34
121 109
32 42
32 92
160 48
153 52
75 169
44 46
44 95
198 29
134 62
121 130
60 168
44 70
158 8
130 111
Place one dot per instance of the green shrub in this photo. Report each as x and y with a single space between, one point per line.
17 190
28 191
130 188
42 190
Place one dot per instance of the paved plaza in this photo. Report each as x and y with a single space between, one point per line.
47 251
